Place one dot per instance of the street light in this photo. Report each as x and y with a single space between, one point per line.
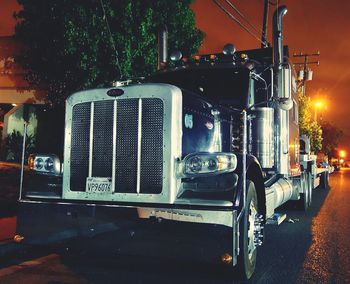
319 105
342 154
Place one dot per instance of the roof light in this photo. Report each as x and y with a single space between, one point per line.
229 49
176 55
244 56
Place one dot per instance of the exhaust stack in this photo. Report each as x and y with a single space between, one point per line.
278 36
282 94
162 47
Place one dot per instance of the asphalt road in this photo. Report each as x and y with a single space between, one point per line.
311 247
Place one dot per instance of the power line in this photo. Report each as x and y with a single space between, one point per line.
242 16
111 39
237 21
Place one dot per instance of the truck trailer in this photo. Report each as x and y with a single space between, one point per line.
210 142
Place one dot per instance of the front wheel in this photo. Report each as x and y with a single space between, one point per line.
250 230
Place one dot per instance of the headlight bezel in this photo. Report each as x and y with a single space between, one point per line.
48 164
202 164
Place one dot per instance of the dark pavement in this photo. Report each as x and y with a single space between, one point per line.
311 247
328 258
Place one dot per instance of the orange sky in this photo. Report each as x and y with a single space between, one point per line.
7 23
310 25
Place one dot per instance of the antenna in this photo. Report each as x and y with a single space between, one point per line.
111 39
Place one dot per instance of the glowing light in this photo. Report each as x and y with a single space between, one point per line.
319 104
342 154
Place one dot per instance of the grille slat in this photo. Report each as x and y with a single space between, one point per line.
152 146
126 144
102 139
126 160
80 146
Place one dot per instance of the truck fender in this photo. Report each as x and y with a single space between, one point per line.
254 174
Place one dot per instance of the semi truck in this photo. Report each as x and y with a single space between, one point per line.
210 142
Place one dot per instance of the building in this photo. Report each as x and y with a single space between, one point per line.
17 101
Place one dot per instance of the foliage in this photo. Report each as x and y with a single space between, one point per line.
331 136
307 125
68 47
13 146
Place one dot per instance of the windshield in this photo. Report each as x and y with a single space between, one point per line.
221 85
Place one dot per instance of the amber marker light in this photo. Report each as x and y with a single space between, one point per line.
226 258
18 238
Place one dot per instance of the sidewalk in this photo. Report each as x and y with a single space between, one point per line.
10 247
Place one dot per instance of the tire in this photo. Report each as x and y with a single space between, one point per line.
305 197
324 180
248 250
311 186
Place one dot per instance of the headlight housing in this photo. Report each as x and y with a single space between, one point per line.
45 163
205 164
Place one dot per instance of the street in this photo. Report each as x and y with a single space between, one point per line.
311 247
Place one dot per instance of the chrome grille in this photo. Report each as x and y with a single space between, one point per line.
138 146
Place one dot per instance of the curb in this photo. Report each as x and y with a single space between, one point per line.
10 247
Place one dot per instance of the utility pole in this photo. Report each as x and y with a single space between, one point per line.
305 73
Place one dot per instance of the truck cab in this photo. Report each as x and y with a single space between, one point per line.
211 141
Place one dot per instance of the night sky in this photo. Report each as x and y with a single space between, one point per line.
310 26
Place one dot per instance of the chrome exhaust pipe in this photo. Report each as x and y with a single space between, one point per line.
278 36
162 47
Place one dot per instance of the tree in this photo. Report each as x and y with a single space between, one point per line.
13 146
68 46
307 125
331 136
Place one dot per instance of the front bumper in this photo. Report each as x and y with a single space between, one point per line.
207 230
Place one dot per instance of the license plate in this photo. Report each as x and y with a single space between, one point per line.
99 185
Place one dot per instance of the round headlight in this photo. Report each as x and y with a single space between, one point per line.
39 163
212 164
195 164
49 164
